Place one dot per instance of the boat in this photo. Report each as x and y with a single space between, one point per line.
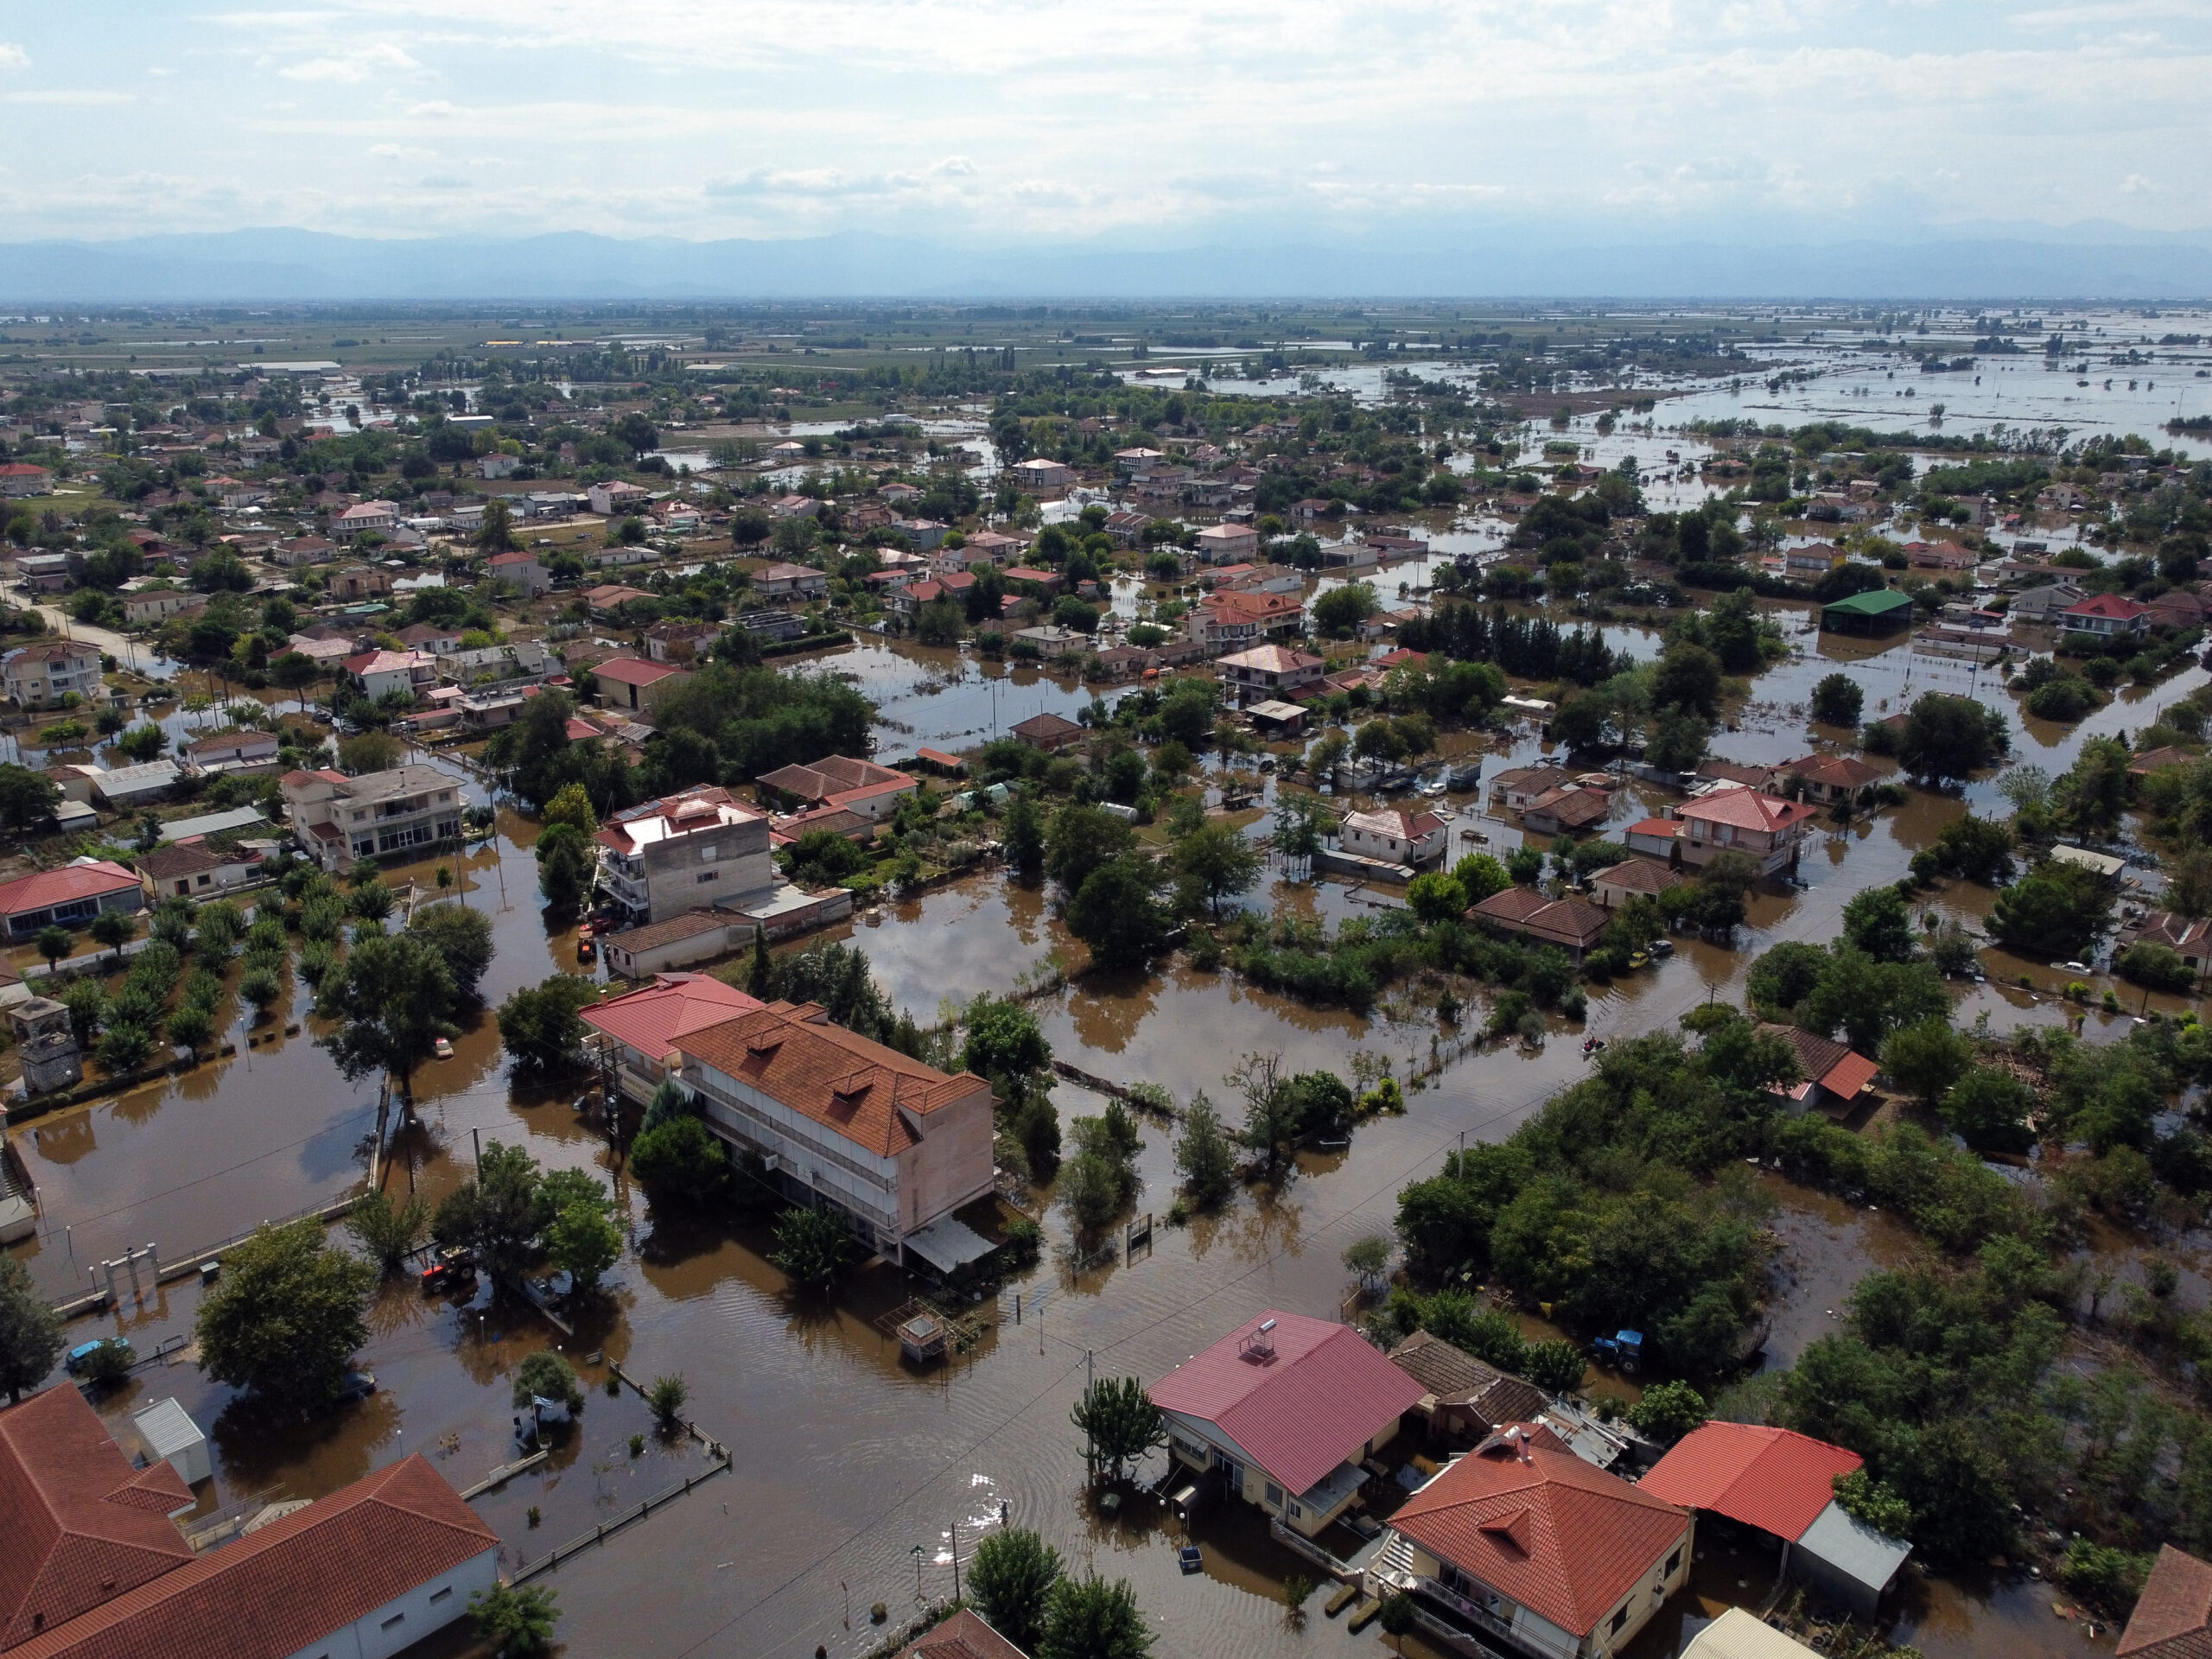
1464 777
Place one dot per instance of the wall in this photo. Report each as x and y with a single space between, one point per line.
952 1166
418 1614
741 866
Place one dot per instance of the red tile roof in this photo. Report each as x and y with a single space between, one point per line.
831 774
1561 1536
286 1587
2173 1616
655 1020
2112 605
83 1525
1322 1395
1746 809
1772 1478
71 884
963 1636
635 671
1667 827
873 1095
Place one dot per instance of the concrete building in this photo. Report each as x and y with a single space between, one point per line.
1282 1412
1395 837
1769 832
894 1147
1271 673
684 852
245 753
634 682
46 1045
521 568
68 897
39 676
196 869
338 819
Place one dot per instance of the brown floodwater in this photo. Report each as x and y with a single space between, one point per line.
846 1456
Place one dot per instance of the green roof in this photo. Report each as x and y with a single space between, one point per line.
1881 602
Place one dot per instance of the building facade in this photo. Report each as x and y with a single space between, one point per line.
704 846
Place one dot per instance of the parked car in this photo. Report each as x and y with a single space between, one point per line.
443 1048
354 1385
81 1358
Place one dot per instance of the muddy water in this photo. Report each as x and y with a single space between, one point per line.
941 698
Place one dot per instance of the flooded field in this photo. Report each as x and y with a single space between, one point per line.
846 1459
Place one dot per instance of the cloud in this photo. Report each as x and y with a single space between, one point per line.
13 56
400 153
83 97
827 182
378 58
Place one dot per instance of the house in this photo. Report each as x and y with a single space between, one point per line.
1734 773
1781 1485
1739 1634
644 1024
1811 562
1551 1556
1659 838
1137 460
353 582
783 581
1271 673
922 535
1286 1408
837 780
19 479
195 868
231 494
1228 543
2173 1616
2105 616
41 675
1877 612
383 673
2189 937
2177 608
245 753
633 682
990 547
1233 620
433 637
2041 604
1049 732
1769 832
1570 810
1830 779
1034 583
1047 480
1632 878
899 495
145 605
298 550
795 506
1520 787
1832 1074
616 496
1394 838
1126 528
2106 866
702 847
236 819
68 897
963 1636
1522 912
2147 761
338 819
608 598
520 568
890 1146
680 642
1463 1394
93 1563
381 518
1260 579
124 786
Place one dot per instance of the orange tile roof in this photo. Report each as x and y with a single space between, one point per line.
1561 1536
1774 1479
657 1018
2173 1616
299 1579
865 1092
962 1636
1746 809
71 884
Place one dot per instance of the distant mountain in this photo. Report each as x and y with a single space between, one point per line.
243 266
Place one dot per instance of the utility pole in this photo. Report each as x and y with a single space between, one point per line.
477 1135
956 1558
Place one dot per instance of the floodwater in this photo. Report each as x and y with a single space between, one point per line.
845 1459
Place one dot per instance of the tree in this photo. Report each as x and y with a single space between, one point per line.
1370 1258
462 938
1021 831
26 797
114 929
142 743
1925 1059
1667 1411
1398 1618
389 1231
1687 679
1215 862
2056 911
1119 1422
286 1317
1006 1045
545 1375
1837 700
1678 742
571 805
1869 1000
1877 922
514 1622
1988 1109
1556 1366
55 941
369 752
2155 967
1116 912
582 1242
31 1332
1946 737
1784 976
565 868
813 1247
394 998
495 533
1011 1579
1092 1619
1205 1155
666 1398
1270 1110
1479 875
1080 839
1435 897
540 1025
497 1214
1340 610
681 1162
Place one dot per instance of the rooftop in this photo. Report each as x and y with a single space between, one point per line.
707 807
655 1019
2173 1616
1772 1478
68 884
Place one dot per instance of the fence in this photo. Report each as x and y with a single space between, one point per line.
183 1266
546 1563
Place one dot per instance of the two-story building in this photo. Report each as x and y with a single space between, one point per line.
1768 831
2105 616
841 781
704 846
385 673
786 581
1228 543
338 819
521 568
891 1145
1271 672
1283 1411
246 753
39 676
1533 1549
1232 621
1395 837
616 496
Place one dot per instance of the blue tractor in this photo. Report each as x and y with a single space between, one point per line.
1623 1351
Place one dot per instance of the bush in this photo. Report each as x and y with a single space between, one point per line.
545 1375
681 1161
515 1623
2156 967
1667 1411
1555 1366
666 1398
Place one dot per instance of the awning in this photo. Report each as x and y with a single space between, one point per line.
949 1244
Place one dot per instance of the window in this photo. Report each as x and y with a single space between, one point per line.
397 1618
1619 1619
708 855
1274 1495
709 875
437 1596
1674 1561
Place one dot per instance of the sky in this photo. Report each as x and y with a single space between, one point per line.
1141 123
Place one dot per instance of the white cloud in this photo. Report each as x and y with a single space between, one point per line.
13 56
381 57
82 96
